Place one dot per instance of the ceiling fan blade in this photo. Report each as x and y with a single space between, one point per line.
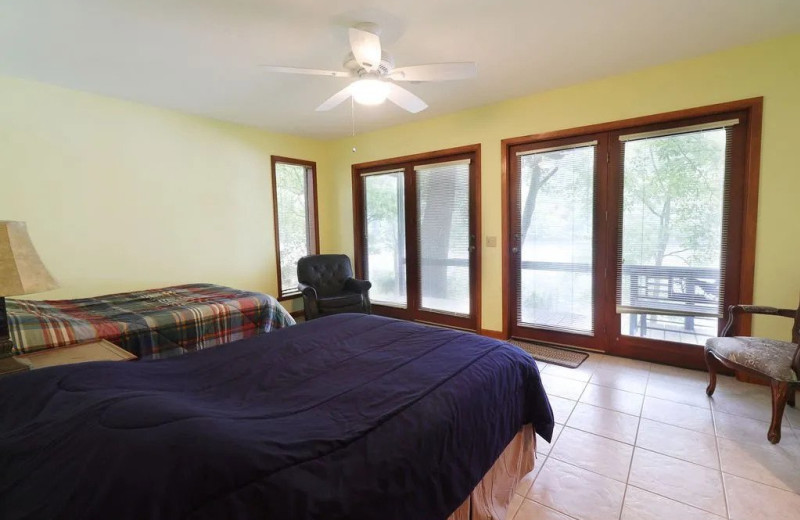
366 48
435 72
335 99
405 99
312 72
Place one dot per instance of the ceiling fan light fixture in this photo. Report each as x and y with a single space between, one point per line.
369 91
376 76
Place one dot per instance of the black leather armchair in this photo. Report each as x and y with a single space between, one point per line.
328 286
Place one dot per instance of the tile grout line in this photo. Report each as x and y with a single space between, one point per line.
760 483
546 507
629 415
678 402
674 499
635 438
675 456
611 409
586 469
678 501
633 452
577 467
599 434
639 417
545 458
719 458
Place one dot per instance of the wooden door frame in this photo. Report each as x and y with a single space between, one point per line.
753 107
405 163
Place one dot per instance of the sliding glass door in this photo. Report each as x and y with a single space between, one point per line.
416 228
629 240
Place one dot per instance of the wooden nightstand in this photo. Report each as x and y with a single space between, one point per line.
98 350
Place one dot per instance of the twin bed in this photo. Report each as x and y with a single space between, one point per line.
155 323
345 417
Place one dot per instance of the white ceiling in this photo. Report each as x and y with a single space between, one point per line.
203 56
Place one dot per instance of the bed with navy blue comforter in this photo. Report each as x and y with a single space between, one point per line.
345 417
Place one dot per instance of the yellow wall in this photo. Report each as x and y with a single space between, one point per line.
121 196
770 69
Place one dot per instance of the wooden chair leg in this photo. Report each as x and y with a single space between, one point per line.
790 401
780 394
711 363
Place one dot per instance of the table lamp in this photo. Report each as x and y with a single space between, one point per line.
21 272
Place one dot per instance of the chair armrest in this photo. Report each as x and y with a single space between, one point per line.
753 309
359 286
757 309
307 290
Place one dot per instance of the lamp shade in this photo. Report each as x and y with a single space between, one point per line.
21 270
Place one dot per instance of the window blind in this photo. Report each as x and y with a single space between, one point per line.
554 238
671 255
443 236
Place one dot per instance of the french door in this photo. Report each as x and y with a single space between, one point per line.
630 240
557 240
416 224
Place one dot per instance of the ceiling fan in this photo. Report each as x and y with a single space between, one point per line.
377 75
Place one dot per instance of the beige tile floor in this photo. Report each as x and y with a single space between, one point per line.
640 441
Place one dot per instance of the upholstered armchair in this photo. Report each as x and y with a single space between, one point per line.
328 286
778 361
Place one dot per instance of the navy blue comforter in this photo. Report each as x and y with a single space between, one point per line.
345 417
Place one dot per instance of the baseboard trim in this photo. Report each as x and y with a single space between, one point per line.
496 334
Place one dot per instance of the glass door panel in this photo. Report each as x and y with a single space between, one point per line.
443 235
385 240
671 270
416 233
633 240
554 239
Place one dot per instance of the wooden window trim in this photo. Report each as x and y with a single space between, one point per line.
752 107
312 221
405 163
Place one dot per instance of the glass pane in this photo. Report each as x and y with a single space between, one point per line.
673 195
694 330
444 239
556 218
384 211
290 185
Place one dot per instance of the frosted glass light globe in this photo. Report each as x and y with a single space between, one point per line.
369 91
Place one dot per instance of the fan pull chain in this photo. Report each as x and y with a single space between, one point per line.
353 118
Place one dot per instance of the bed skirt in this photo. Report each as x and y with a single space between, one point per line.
491 497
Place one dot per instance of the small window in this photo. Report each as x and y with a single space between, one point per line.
295 204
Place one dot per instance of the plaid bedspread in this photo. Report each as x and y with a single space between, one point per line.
154 323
